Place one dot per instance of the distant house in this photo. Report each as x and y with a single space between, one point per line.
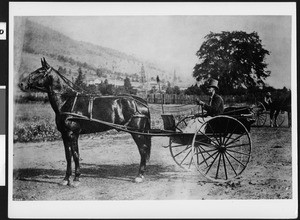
95 82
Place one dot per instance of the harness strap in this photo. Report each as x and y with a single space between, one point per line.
72 109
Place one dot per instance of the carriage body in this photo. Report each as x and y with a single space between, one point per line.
220 149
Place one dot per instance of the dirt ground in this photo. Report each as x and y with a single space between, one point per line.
110 163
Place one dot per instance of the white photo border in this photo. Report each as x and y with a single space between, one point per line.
153 209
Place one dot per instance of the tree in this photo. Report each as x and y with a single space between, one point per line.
127 85
193 90
80 80
236 59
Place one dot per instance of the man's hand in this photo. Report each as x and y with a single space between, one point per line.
199 102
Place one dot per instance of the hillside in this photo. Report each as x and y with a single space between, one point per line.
59 50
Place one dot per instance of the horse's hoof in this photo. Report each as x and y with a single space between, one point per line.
139 179
75 183
64 183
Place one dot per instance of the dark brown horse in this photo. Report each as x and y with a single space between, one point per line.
280 104
119 110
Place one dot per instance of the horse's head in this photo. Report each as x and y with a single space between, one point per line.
40 79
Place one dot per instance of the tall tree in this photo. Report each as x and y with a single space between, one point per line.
80 80
127 85
236 59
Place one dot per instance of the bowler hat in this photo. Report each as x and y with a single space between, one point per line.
213 83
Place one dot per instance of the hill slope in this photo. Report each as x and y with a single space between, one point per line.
60 50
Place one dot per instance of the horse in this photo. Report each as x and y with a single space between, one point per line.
278 105
65 97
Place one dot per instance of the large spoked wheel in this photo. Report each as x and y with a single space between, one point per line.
260 114
221 148
181 145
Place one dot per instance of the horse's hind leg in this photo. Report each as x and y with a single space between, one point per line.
272 110
144 146
275 117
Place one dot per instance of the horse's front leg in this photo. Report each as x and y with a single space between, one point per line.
66 180
75 153
71 149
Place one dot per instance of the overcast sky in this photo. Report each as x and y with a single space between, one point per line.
175 39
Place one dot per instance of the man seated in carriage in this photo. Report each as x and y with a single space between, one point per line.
216 103
213 108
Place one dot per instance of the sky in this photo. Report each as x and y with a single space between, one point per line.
173 40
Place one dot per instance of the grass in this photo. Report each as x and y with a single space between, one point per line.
35 121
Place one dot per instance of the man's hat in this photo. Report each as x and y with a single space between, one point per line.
213 83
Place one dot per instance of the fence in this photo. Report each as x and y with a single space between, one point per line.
190 99
158 98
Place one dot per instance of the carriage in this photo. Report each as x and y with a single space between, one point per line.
261 114
220 149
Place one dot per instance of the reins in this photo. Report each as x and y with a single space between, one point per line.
82 92
72 85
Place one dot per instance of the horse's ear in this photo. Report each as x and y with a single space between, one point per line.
42 62
45 63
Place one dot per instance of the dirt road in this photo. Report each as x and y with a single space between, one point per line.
110 163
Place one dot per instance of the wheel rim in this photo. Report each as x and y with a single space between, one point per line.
181 145
260 114
181 153
221 154
261 118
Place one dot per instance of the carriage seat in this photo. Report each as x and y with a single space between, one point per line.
169 122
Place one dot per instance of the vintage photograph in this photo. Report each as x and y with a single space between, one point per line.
144 107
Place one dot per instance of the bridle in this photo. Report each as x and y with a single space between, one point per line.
73 86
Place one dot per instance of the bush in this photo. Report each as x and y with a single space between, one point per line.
36 131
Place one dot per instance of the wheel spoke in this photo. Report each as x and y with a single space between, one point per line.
208 137
214 134
235 159
185 156
238 152
190 160
218 167
212 163
234 139
231 165
182 151
225 143
239 145
224 166
202 156
206 151
210 157
205 144
197 153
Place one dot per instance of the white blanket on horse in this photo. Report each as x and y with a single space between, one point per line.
196 124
